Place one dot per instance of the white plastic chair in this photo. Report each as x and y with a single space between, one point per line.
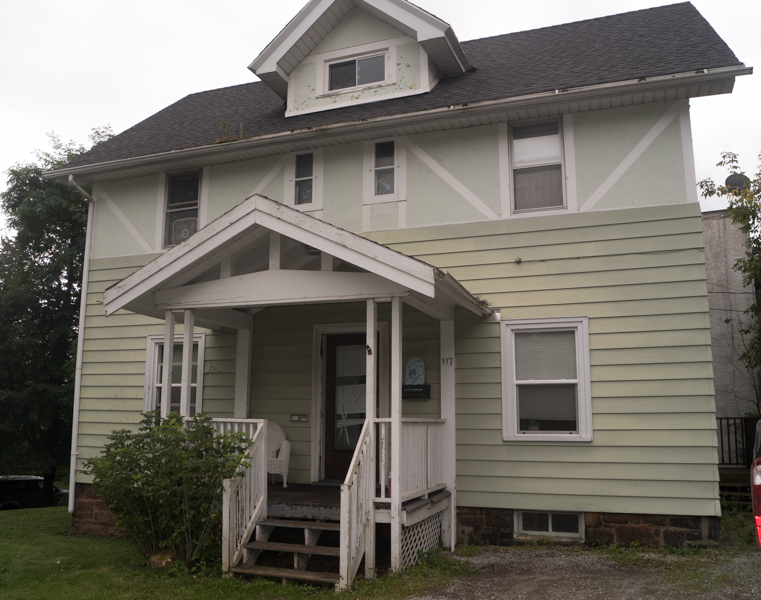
278 452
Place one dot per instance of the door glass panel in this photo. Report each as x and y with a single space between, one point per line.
350 395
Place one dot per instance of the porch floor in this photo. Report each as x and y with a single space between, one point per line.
304 501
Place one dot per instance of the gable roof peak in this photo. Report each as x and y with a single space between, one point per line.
318 18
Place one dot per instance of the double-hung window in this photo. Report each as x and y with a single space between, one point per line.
385 166
537 165
357 72
154 374
181 219
303 180
546 380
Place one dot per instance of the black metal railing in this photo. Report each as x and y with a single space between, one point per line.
736 436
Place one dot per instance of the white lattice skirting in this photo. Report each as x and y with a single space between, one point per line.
420 537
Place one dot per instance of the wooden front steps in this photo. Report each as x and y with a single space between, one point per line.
277 538
286 574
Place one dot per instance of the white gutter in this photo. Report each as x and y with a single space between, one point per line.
638 86
80 339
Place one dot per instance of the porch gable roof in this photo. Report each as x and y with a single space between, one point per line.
146 290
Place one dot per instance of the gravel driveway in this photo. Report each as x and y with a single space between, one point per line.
578 573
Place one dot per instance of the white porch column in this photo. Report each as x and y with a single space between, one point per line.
446 341
242 374
166 376
187 362
371 402
396 433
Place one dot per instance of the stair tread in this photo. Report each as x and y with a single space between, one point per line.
319 576
301 524
299 548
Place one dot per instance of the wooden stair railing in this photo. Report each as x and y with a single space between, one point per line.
244 498
357 493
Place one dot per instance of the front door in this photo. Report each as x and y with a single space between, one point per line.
345 407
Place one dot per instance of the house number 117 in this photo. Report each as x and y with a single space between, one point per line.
447 361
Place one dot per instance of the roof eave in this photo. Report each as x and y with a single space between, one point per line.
703 83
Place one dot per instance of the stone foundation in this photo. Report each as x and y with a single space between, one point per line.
494 526
91 515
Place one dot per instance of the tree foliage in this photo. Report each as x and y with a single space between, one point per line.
164 483
744 207
40 277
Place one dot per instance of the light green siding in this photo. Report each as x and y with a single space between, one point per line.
639 276
282 367
357 27
113 364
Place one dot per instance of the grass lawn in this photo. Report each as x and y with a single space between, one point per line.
39 559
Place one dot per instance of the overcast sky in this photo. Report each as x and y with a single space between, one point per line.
66 67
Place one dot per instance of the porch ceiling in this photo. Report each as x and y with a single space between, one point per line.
226 268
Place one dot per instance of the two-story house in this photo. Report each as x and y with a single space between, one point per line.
465 279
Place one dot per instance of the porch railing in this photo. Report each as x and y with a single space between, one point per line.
244 497
422 452
357 493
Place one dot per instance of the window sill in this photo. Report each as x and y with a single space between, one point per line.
356 88
571 438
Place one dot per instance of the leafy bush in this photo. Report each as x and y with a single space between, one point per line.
164 483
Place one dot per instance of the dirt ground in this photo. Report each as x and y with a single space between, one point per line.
582 574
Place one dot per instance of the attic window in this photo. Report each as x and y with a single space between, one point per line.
357 72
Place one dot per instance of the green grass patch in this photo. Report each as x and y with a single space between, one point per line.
39 559
738 530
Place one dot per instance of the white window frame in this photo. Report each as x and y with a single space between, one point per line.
527 164
289 194
521 534
165 211
510 421
400 172
360 52
151 367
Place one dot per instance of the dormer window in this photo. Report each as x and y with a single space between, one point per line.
357 72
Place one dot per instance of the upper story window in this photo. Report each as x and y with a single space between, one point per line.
181 219
356 72
303 180
546 381
385 171
537 157
384 168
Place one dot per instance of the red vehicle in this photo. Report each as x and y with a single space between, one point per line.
755 482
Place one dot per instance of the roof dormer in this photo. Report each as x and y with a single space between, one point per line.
340 52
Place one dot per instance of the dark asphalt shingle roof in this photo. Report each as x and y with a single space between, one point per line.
645 43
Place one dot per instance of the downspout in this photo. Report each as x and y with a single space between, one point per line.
80 339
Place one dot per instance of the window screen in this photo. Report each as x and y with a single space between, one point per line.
304 178
384 168
537 166
343 75
546 356
352 73
182 208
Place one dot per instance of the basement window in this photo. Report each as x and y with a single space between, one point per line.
549 524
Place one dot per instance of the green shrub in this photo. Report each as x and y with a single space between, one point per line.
163 483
